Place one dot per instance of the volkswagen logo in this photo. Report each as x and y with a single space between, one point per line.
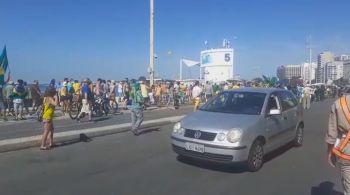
197 134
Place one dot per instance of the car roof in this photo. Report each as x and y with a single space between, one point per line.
257 90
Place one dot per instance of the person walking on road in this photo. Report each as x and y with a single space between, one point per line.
50 102
307 92
136 108
338 139
196 95
208 89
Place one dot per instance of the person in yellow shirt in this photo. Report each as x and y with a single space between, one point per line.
49 103
77 87
236 86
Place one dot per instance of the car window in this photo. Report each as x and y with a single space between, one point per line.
272 103
236 103
287 99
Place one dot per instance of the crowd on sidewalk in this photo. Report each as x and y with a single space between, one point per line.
135 95
19 98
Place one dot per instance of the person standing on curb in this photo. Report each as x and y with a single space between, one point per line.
36 95
338 139
87 98
196 95
50 102
2 105
19 93
136 109
8 95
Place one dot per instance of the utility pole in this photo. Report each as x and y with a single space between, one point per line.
309 46
151 48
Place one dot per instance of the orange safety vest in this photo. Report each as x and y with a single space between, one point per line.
339 149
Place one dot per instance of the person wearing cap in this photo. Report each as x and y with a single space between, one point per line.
136 108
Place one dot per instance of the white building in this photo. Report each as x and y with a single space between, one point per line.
346 69
343 57
308 72
217 64
322 59
289 71
334 70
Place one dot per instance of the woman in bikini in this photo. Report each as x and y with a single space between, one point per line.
50 101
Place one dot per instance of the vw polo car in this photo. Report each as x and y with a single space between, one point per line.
240 126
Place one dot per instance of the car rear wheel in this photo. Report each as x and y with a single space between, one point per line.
299 137
256 156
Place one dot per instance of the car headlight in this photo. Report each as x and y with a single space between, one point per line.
234 135
178 129
221 136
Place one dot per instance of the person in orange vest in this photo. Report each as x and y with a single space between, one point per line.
338 139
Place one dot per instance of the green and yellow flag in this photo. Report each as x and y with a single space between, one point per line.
3 65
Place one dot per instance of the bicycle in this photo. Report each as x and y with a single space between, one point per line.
75 107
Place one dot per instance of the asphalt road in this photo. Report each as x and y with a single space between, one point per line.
31 127
125 164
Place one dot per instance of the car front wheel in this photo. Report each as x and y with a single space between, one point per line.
299 137
256 156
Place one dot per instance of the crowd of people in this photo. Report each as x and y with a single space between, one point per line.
135 95
19 97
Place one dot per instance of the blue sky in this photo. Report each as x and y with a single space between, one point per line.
110 38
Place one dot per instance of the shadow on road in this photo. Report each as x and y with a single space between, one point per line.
227 168
232 168
101 119
149 130
325 188
82 138
278 152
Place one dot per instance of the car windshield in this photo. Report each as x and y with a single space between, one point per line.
250 103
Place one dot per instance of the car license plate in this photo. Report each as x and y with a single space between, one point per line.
194 147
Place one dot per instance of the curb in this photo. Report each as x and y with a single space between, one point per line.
80 135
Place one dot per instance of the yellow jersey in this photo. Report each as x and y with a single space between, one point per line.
48 111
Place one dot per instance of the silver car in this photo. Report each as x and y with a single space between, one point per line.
240 126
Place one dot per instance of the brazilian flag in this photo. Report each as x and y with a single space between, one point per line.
3 65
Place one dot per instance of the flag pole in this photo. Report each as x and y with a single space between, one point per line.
180 69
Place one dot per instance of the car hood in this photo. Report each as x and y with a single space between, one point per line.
204 120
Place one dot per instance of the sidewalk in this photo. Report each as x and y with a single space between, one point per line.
23 134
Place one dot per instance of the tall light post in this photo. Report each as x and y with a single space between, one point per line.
151 48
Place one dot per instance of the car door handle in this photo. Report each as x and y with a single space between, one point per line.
285 118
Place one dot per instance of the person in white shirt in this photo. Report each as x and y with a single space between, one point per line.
196 95
307 92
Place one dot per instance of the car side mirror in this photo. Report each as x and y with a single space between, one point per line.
275 112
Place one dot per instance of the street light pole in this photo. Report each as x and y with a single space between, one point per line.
151 52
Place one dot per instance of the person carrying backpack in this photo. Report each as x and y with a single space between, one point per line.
136 108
